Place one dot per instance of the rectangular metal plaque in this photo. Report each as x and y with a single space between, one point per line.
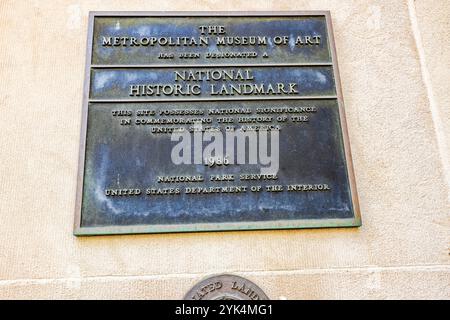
163 91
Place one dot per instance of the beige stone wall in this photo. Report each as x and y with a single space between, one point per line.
394 59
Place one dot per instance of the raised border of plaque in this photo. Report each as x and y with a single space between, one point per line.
80 230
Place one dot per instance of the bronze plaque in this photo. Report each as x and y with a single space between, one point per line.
226 287
213 121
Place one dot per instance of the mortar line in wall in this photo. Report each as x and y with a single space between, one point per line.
6 282
434 109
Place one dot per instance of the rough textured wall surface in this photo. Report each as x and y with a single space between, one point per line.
394 60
